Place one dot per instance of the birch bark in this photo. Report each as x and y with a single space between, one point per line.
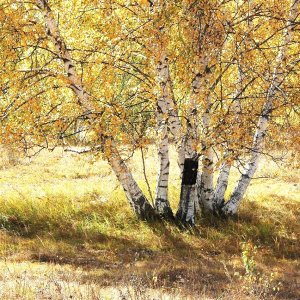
222 182
64 54
206 186
189 196
135 196
168 121
163 102
232 205
137 200
223 177
167 118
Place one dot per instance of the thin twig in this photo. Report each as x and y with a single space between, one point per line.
145 176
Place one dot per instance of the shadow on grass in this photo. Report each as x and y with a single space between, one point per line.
278 230
191 258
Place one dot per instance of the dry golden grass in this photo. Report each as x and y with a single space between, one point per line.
66 230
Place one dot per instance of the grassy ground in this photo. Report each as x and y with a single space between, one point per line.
67 232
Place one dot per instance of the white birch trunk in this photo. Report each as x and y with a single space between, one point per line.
135 196
166 112
174 122
221 186
161 198
232 205
207 185
63 53
175 127
139 204
222 182
223 177
163 102
189 195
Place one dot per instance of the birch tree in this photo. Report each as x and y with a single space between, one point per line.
258 140
135 196
208 77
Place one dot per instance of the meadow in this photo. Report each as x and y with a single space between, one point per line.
67 232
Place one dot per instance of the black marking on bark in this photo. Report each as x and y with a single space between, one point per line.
75 87
209 162
190 170
194 111
207 70
165 213
159 109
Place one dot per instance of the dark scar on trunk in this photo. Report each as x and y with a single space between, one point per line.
190 171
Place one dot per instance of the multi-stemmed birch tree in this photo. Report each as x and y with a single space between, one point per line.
215 78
